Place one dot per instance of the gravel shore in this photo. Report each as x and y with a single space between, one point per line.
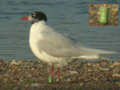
33 75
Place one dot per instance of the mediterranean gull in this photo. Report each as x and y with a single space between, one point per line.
54 48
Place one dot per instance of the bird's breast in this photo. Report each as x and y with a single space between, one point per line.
43 55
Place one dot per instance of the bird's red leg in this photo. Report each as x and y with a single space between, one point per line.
52 70
58 72
51 74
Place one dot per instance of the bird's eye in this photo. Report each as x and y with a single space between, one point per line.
33 14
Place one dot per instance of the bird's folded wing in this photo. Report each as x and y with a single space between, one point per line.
58 49
57 45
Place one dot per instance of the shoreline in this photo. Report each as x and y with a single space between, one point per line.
33 75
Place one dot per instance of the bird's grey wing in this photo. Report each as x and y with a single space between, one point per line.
57 45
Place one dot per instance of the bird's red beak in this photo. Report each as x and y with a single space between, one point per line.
25 18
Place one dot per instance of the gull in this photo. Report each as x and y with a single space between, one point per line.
54 48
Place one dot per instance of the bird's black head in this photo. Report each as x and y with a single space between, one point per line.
36 16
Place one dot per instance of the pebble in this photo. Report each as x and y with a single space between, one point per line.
81 84
81 74
91 70
68 79
104 69
20 62
14 62
118 84
115 64
35 84
116 75
73 72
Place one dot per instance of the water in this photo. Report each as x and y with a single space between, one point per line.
69 17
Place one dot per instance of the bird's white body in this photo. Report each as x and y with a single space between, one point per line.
35 36
51 47
54 48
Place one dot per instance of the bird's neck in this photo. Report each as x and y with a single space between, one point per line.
38 26
40 23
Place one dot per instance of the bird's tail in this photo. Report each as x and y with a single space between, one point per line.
88 53
96 51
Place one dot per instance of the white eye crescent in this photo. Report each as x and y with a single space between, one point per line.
30 18
33 14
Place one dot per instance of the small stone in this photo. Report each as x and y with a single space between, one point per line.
73 72
91 21
57 80
20 62
90 70
118 83
115 64
95 65
6 80
35 84
68 79
104 63
116 70
116 75
95 78
89 64
29 75
104 69
14 62
81 84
